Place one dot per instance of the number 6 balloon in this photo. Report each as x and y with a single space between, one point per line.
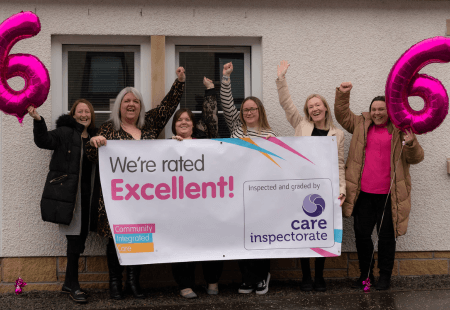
37 81
404 81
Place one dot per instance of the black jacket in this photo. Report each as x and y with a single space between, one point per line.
60 191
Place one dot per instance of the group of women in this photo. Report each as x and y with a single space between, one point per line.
374 183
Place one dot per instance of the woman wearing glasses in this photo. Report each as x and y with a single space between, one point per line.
316 122
250 121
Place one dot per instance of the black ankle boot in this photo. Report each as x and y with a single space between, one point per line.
115 272
132 283
319 284
307 284
384 282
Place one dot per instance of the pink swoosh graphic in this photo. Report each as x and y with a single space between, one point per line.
287 147
323 252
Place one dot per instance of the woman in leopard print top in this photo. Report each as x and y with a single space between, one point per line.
129 121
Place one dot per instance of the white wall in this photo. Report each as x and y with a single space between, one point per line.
326 42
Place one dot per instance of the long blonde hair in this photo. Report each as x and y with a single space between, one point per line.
328 119
262 120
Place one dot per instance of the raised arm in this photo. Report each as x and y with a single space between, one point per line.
344 115
209 122
292 114
43 138
158 117
226 97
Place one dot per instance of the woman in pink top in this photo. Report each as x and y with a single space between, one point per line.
378 182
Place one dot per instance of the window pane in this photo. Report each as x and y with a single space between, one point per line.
98 77
210 64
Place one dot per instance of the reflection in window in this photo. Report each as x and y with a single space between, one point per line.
98 77
210 64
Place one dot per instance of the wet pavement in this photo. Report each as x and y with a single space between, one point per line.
411 300
421 293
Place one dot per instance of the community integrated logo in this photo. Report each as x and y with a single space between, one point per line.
313 205
136 238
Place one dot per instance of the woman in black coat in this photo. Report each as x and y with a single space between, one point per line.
70 196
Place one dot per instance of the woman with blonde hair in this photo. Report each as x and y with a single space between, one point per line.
129 121
316 122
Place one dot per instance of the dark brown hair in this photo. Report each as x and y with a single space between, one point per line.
177 116
377 98
91 108
389 125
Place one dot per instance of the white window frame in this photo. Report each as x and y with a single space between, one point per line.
252 60
59 75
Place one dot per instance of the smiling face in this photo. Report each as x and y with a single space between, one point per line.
251 113
82 114
378 112
317 111
130 107
184 125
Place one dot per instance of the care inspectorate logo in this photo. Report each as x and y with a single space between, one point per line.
313 205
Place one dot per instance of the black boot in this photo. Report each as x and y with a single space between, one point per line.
132 283
319 281
384 282
307 282
115 272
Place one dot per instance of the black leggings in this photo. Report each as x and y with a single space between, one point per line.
184 273
367 213
254 270
319 265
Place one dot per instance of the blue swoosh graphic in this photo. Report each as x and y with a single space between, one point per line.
247 145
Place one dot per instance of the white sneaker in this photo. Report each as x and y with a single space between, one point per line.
262 287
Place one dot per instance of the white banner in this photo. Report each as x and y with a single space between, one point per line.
196 200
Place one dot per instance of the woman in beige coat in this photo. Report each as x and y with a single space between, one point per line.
378 181
316 122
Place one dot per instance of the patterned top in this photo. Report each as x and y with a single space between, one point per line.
155 121
209 122
232 116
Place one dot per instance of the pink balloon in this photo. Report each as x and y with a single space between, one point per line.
404 81
37 80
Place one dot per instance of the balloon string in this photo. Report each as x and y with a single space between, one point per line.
384 210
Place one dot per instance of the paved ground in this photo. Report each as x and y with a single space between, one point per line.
427 292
